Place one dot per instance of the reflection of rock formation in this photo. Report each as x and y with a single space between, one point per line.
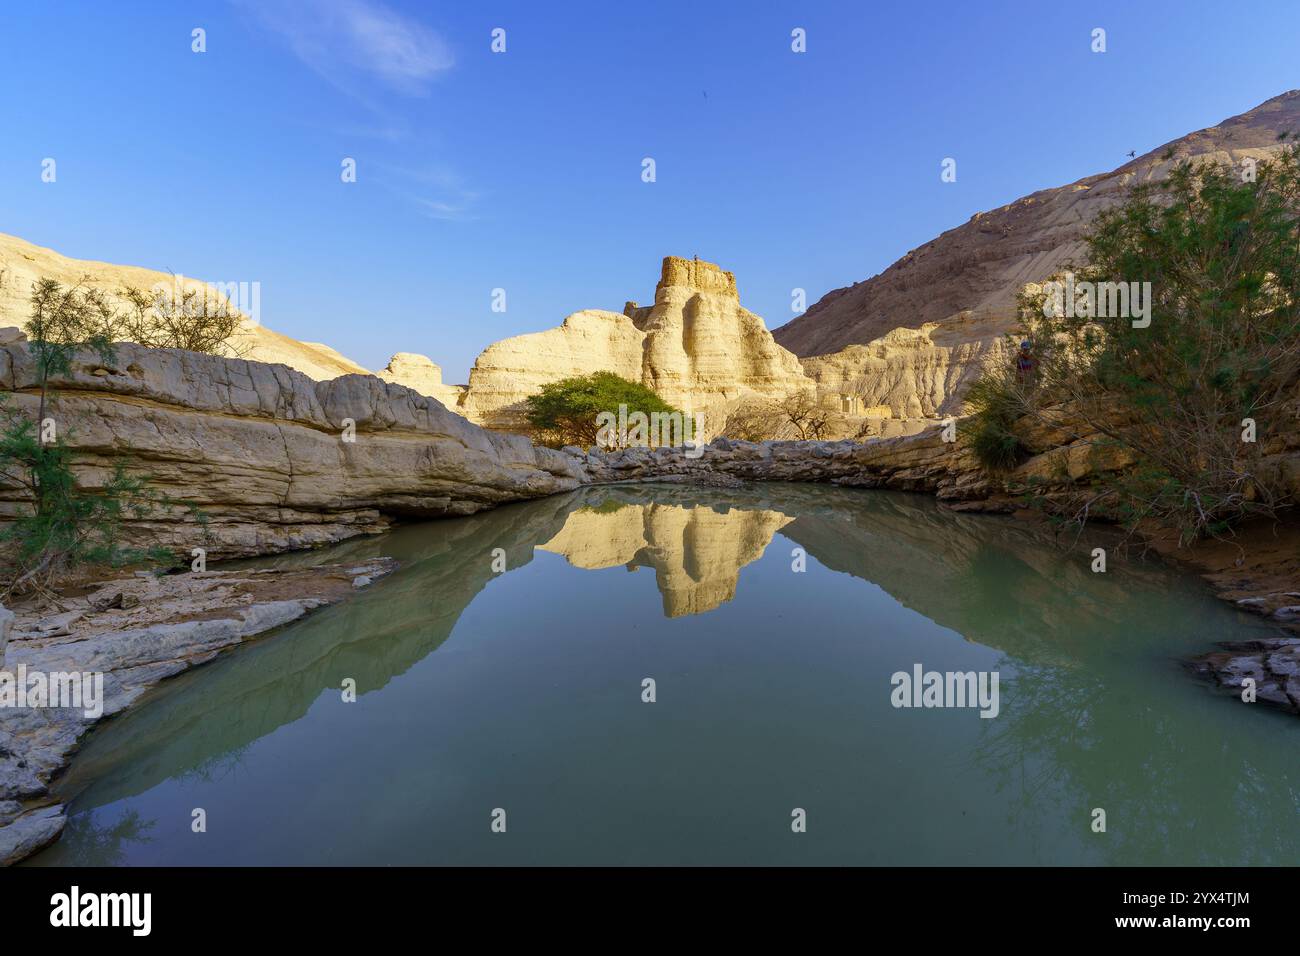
696 346
964 571
197 720
1072 732
696 552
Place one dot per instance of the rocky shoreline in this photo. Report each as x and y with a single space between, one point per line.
134 631
143 629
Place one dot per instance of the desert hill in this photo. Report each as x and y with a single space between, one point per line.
22 263
966 279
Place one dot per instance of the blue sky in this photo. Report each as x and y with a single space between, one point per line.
522 170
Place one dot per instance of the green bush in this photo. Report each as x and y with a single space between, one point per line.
994 403
568 412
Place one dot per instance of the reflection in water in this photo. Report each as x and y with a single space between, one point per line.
696 553
89 844
773 693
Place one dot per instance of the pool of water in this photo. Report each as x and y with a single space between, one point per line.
481 691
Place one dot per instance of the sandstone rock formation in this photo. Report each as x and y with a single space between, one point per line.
265 452
696 346
975 270
420 374
914 373
509 371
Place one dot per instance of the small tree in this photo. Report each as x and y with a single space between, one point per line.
63 320
995 403
804 414
568 412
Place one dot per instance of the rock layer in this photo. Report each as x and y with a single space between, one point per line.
420 374
275 460
915 373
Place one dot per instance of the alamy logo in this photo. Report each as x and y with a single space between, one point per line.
73 909
1098 300
922 688
243 297
78 690
655 430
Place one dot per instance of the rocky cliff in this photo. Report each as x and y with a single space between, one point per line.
917 373
969 275
696 346
275 460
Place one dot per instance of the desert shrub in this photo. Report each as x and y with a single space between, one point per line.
993 403
755 420
196 320
801 411
577 410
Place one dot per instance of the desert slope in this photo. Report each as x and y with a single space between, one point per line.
968 276
22 263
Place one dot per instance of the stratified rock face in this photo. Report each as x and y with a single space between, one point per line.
509 371
702 348
420 374
916 373
979 266
22 264
696 553
696 347
265 452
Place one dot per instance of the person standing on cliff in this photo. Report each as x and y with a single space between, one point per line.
1025 361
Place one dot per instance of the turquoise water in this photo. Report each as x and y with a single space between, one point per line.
522 691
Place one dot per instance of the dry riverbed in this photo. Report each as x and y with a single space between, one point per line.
114 640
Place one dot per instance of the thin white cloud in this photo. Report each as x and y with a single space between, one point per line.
340 37
435 190
447 211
